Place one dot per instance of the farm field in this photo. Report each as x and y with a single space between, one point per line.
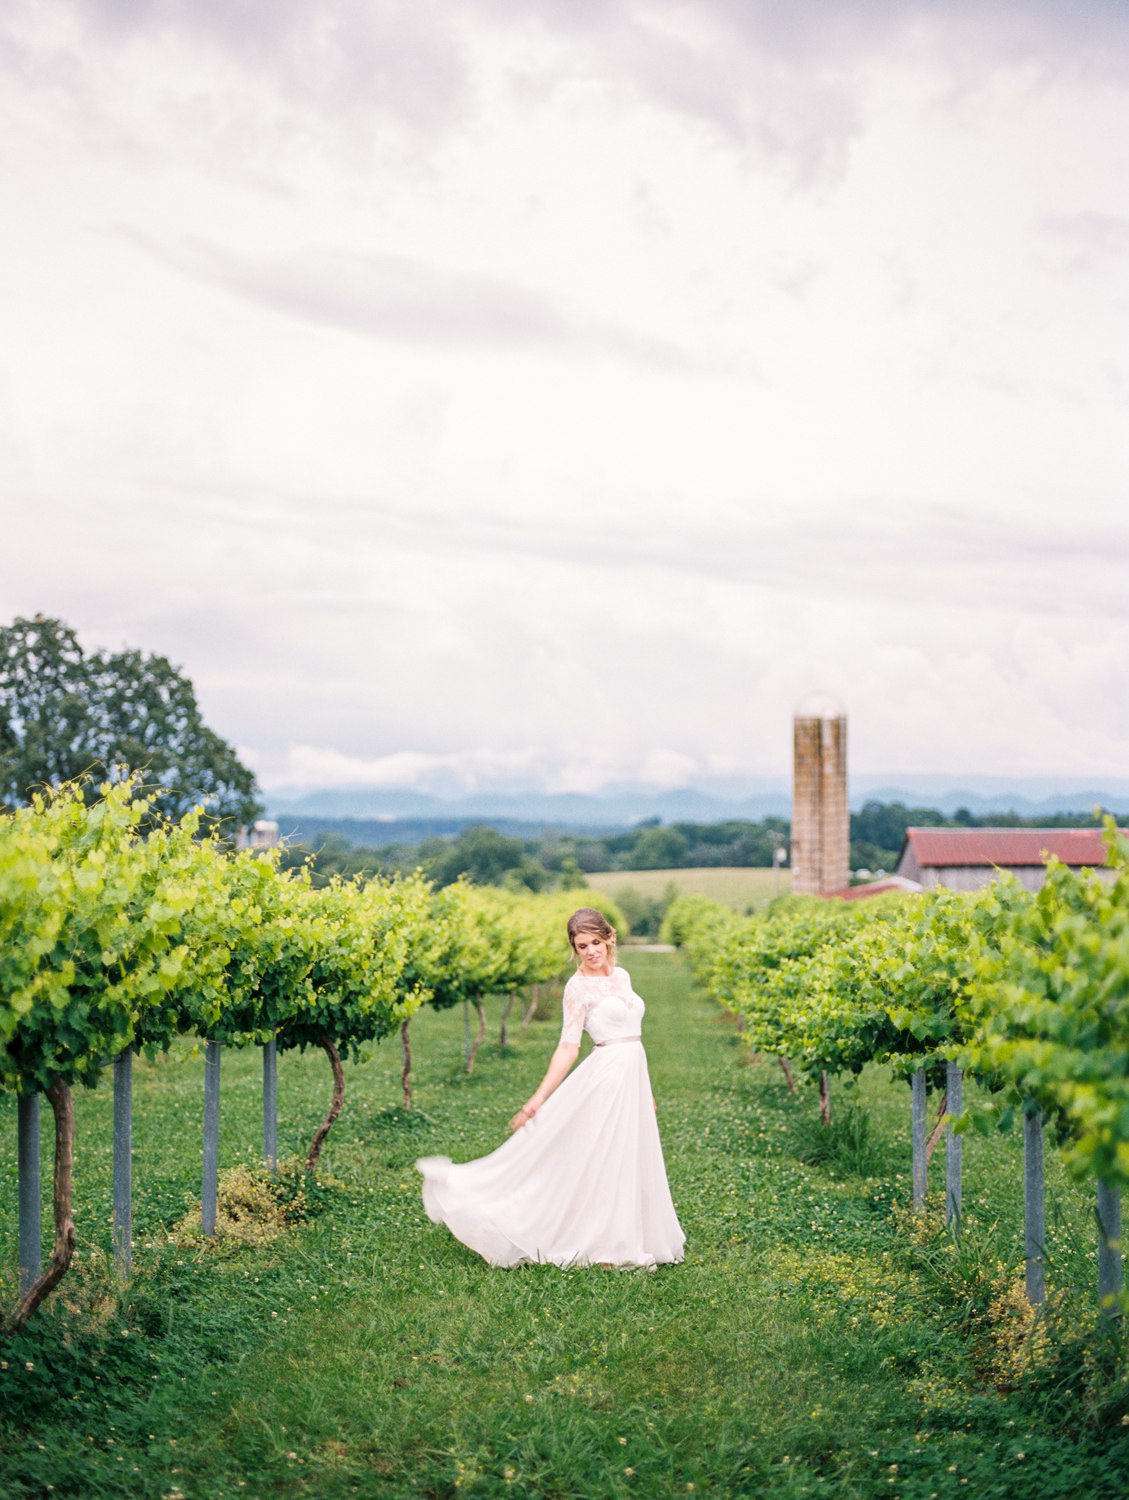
814 1341
745 889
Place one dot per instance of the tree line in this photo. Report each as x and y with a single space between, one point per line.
562 860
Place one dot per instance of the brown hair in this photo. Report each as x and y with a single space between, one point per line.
588 919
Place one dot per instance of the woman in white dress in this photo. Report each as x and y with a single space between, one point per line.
581 1181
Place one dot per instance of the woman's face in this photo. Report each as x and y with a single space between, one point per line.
593 953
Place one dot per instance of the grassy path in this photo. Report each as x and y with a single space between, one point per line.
801 1349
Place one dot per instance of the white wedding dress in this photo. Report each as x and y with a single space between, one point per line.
584 1182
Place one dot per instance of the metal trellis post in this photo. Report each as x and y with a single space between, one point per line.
1034 1207
210 1187
123 1162
1109 1249
920 1164
31 1208
954 1089
270 1105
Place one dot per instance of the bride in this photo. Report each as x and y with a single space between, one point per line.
581 1181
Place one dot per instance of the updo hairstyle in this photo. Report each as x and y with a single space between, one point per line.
588 919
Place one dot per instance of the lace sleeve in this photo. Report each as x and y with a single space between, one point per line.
575 1009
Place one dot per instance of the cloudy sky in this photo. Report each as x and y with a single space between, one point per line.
555 393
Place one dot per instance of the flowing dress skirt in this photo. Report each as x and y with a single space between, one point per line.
583 1183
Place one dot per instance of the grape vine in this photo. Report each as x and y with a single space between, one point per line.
1027 991
120 930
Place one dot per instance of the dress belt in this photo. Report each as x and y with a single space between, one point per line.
612 1040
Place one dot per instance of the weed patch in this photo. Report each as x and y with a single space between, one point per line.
255 1205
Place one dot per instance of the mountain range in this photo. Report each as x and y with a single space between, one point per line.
621 807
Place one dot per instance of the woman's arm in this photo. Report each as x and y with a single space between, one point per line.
559 1064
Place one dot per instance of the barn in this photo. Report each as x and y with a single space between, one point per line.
963 859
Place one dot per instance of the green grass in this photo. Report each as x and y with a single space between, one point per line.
745 889
812 1343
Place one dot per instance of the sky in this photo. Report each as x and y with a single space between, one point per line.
556 394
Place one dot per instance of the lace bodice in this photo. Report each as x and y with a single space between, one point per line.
604 1005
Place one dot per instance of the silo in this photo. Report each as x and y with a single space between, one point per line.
821 826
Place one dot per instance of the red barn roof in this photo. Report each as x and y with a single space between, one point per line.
1007 847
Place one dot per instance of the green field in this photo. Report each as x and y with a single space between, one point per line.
814 1342
743 889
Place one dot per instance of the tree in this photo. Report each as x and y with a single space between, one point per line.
480 853
659 849
46 730
877 831
64 713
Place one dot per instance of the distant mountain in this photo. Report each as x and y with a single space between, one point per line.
547 809
390 812
1114 797
379 833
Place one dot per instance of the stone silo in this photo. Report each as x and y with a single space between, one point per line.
821 827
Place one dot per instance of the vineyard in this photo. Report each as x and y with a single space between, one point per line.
1028 994
120 932
262 1308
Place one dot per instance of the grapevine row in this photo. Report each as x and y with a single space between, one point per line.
1028 992
120 932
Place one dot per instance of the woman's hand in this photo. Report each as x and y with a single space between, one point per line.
559 1064
523 1116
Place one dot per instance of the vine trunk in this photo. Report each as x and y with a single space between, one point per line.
335 1106
57 1267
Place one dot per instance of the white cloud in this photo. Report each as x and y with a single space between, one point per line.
304 766
565 395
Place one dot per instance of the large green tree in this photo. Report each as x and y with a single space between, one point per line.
484 856
65 713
